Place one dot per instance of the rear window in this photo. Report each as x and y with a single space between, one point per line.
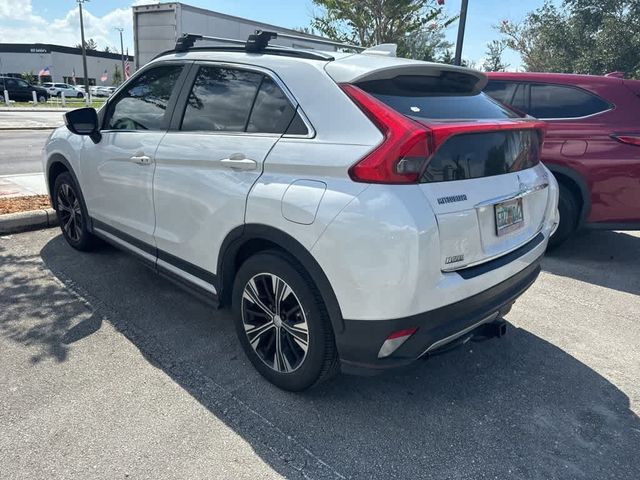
433 98
485 154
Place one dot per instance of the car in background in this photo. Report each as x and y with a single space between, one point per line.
592 144
57 89
103 91
22 91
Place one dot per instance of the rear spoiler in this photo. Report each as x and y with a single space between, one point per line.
364 68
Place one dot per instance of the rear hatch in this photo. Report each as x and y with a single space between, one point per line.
473 158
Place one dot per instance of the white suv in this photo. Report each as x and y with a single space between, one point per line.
357 211
57 89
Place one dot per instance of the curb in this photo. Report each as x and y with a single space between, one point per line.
36 109
25 221
27 128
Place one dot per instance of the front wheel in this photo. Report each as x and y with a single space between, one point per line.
72 213
79 95
282 322
42 99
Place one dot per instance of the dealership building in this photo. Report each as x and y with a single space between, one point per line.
156 28
61 62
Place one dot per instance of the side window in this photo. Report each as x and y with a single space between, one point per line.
221 100
519 101
22 84
272 112
143 104
556 101
501 91
11 83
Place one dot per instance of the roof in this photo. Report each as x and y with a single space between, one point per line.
566 78
40 48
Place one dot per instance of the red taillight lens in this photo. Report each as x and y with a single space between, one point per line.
628 138
403 154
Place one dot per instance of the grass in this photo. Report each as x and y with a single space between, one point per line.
24 204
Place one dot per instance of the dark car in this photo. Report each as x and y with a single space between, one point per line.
592 144
20 91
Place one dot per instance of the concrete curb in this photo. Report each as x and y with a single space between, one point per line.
28 128
37 109
25 221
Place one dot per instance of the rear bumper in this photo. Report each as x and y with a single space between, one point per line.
359 343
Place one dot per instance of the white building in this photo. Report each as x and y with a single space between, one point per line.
157 27
19 58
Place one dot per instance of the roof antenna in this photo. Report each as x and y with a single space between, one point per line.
186 41
258 41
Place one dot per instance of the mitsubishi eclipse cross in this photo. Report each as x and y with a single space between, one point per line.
356 211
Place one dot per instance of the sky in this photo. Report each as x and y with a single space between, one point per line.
57 21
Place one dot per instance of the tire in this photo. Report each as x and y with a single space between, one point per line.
569 211
59 94
42 99
305 359
72 213
79 95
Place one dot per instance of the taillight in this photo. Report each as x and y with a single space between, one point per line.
628 138
404 152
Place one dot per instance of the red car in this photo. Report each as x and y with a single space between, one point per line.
592 144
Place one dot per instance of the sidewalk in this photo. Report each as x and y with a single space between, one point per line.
22 185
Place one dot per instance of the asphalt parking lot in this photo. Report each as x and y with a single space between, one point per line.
109 371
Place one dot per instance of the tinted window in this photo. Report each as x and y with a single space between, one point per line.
143 103
419 96
22 84
520 99
221 99
501 91
556 101
272 112
478 155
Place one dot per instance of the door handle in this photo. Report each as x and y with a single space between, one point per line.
141 159
239 162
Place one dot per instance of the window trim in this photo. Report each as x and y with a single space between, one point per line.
528 84
103 113
181 103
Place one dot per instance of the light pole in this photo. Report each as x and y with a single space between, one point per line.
84 50
120 29
461 25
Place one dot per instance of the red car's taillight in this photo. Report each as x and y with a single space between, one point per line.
403 154
628 138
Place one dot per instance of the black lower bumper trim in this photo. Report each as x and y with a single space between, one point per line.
360 342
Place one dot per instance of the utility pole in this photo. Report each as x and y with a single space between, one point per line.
120 29
84 51
461 25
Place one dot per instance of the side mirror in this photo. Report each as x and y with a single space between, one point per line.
83 121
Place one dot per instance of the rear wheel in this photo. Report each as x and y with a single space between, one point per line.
282 322
569 211
79 95
72 213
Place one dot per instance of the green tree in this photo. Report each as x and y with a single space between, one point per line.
117 76
493 57
88 44
107 49
428 43
28 76
581 36
372 22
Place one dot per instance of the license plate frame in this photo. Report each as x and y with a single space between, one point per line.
509 216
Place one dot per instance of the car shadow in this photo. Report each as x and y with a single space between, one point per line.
516 407
605 258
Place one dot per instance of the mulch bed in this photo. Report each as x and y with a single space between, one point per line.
24 204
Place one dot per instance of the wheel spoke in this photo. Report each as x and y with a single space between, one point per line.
280 290
280 361
254 334
251 294
299 335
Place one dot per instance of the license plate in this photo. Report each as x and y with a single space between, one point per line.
509 216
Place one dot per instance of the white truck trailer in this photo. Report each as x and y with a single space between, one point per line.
156 28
